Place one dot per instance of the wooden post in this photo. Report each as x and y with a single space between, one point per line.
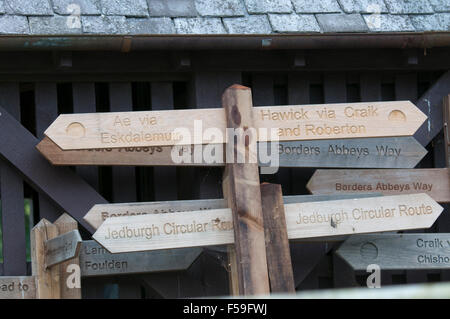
279 261
232 266
244 196
446 118
47 279
65 224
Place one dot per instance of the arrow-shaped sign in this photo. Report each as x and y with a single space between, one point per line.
387 152
304 220
97 261
18 287
433 181
62 248
195 126
100 212
397 251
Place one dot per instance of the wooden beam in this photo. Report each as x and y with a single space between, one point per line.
279 261
244 197
429 103
96 65
66 224
47 279
18 147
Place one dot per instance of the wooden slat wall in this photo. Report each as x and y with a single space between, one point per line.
304 255
123 178
315 265
164 178
262 85
46 111
406 89
84 102
206 91
12 199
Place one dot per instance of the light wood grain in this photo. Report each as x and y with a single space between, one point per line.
47 279
397 251
66 225
432 181
100 212
345 217
243 195
387 152
338 217
292 122
19 287
157 231
125 156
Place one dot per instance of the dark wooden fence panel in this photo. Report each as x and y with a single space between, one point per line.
84 101
123 178
12 197
164 178
46 111
315 265
206 91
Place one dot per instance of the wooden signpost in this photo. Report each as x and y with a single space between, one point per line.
383 152
433 181
387 152
292 122
97 261
62 248
143 236
17 287
50 257
304 220
397 251
52 254
100 212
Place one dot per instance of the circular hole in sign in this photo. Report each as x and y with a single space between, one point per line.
369 251
397 116
76 129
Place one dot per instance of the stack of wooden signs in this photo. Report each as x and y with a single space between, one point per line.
384 193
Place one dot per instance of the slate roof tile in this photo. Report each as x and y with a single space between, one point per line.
222 16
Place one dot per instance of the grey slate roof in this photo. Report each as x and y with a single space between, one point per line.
61 17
